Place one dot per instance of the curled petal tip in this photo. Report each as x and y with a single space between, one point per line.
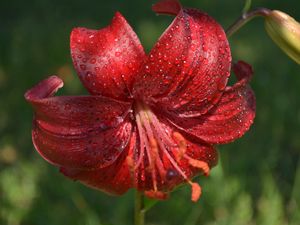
242 70
45 88
170 7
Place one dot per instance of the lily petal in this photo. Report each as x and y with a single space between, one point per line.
230 118
78 132
188 68
107 59
114 179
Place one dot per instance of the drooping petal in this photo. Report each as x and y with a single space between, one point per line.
114 179
77 132
107 59
188 68
230 118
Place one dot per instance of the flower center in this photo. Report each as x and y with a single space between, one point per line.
157 145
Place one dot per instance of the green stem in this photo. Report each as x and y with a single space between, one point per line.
139 211
246 17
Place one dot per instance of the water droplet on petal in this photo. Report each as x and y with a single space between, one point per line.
93 61
151 57
83 67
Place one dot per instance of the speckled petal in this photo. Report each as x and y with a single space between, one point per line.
115 179
77 132
107 59
230 118
188 68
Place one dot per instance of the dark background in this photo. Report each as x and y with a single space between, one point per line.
258 178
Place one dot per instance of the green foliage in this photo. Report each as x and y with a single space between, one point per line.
258 178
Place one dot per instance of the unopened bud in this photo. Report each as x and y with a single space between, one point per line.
285 32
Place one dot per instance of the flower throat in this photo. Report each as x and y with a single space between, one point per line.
157 143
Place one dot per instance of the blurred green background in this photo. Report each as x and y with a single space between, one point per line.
258 178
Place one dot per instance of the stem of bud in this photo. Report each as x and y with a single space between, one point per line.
246 17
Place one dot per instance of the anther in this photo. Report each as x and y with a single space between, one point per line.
181 143
196 192
157 194
199 164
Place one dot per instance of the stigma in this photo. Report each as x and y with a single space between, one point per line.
159 156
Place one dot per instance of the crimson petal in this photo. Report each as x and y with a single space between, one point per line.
187 70
230 118
77 132
114 179
107 59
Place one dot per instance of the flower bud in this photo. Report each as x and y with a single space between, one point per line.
285 32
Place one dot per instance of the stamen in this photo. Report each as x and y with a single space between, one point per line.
174 163
151 167
182 146
198 164
157 194
196 192
156 158
142 142
157 126
156 142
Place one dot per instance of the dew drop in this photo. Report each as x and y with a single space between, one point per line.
165 57
147 68
117 54
82 49
79 40
83 67
88 76
93 61
151 57
171 174
159 55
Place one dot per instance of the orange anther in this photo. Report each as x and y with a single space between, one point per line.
196 192
200 164
181 142
157 195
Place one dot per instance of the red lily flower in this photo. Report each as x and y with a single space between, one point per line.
151 121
